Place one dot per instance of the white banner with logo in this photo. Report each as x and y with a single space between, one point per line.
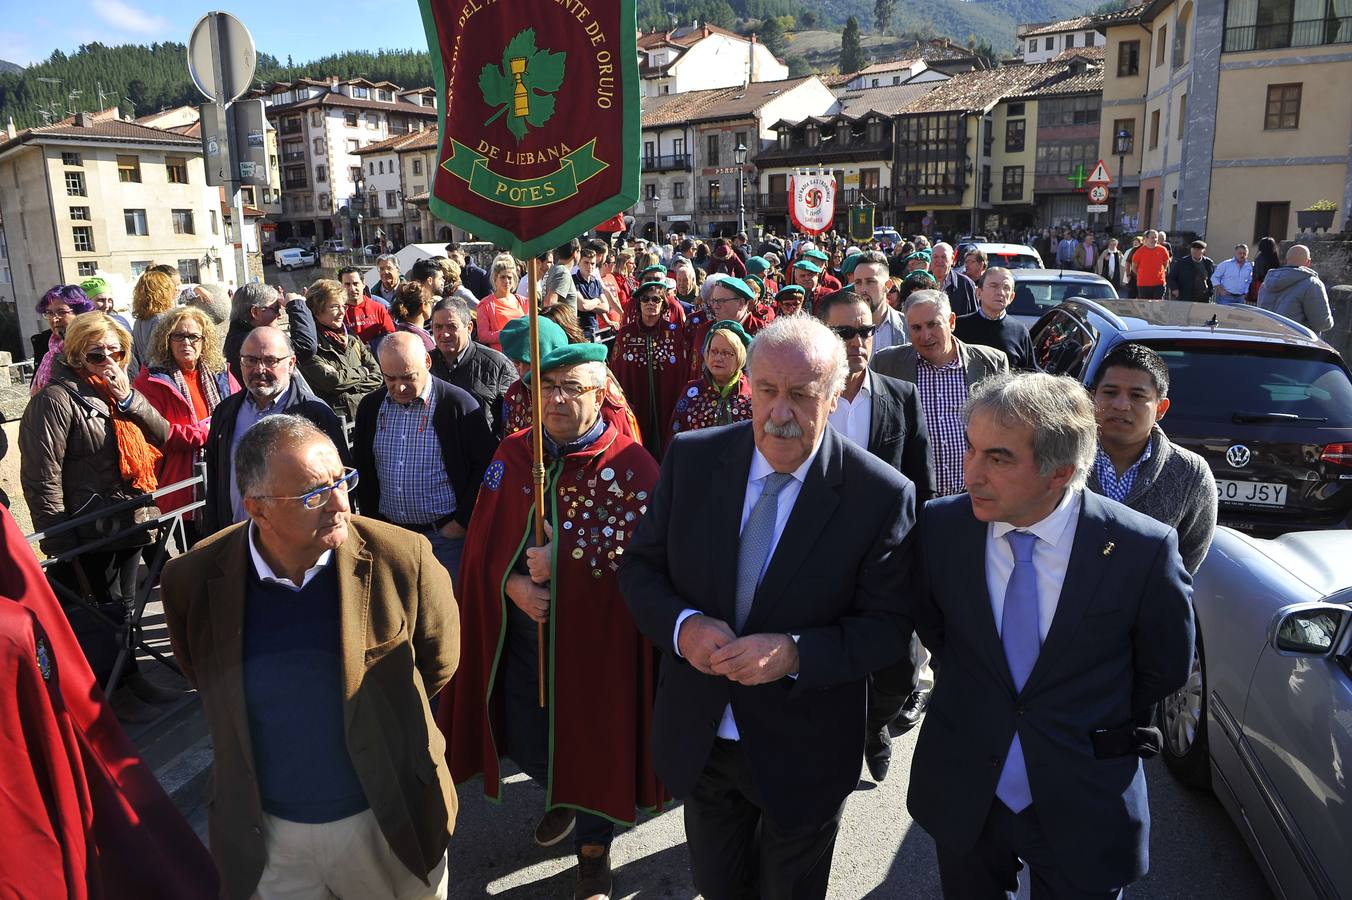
812 201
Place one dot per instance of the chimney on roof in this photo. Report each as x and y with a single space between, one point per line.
706 29
9 129
84 120
752 65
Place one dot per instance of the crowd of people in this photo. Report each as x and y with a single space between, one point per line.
786 488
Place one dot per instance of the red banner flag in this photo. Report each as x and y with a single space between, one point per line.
539 117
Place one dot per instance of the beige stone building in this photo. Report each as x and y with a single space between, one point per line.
93 194
1239 113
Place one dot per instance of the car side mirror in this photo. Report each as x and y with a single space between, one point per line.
1309 629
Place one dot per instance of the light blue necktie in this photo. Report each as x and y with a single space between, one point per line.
1022 641
757 538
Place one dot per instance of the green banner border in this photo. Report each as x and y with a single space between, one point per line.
628 94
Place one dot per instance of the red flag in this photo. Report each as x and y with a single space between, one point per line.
613 224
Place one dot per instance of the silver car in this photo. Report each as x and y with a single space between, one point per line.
1265 719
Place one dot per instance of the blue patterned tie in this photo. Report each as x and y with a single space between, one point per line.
757 537
1022 641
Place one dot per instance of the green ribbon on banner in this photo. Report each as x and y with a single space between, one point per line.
524 193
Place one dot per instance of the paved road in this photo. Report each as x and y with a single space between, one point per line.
1196 853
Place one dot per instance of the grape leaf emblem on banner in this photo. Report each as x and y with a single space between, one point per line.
523 88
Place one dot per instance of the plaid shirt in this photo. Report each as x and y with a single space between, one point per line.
1115 488
414 487
943 391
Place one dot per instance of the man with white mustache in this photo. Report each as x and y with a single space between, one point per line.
750 572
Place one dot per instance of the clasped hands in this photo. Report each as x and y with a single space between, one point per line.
710 646
531 592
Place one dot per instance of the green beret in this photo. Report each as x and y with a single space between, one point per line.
728 325
654 268
757 265
790 289
738 286
647 284
808 265
760 282
515 338
919 254
96 286
814 253
848 264
571 355
920 280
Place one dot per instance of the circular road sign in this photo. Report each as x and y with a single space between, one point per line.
237 61
1098 194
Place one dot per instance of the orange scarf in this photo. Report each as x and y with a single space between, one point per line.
136 457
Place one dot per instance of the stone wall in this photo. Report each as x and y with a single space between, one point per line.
1330 255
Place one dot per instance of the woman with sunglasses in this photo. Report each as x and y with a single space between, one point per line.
185 378
650 361
88 442
722 394
59 307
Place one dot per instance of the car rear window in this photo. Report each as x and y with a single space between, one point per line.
1033 298
1013 260
1218 383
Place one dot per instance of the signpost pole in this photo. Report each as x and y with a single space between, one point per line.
222 66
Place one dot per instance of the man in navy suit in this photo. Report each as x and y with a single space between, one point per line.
771 568
1057 618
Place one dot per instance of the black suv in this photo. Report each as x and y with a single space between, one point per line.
1265 402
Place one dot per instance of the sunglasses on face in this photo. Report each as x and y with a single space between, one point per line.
99 357
850 332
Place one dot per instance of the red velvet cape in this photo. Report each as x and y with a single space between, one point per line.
650 365
140 847
517 413
601 672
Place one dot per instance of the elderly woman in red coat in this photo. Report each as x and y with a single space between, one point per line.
649 360
184 379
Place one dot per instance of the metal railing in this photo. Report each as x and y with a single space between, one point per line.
665 163
156 554
1292 33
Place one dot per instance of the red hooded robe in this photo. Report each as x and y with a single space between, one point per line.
601 672
138 845
651 367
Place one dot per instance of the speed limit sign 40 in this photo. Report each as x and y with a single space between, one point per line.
1098 194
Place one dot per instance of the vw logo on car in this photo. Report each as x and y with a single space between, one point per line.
1238 456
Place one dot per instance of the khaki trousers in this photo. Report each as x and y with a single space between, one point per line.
344 860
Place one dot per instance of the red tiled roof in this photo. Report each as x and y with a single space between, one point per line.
332 98
982 88
1079 23
394 143
102 128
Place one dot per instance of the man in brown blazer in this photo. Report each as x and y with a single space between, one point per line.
316 640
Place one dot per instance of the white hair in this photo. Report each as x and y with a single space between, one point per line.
938 299
814 340
947 248
1055 408
706 290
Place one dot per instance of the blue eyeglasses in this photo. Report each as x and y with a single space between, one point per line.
320 495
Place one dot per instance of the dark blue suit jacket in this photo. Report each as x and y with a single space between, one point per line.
836 579
1121 640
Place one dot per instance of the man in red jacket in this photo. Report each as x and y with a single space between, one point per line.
368 319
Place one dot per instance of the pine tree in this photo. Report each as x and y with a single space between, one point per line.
772 36
851 52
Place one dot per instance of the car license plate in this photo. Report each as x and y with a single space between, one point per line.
1257 493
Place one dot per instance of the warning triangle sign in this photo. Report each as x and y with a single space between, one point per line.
1099 175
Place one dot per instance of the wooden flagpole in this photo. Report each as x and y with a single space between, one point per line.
537 446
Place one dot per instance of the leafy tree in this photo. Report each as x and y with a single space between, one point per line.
882 13
807 19
851 51
798 66
772 36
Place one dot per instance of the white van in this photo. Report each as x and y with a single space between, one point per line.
294 258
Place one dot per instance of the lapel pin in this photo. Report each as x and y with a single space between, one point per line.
1108 548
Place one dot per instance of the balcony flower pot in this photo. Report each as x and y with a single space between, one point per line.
1314 219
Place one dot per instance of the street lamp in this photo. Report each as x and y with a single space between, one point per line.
359 203
657 228
1122 144
739 156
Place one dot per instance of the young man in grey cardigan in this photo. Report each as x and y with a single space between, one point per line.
1136 463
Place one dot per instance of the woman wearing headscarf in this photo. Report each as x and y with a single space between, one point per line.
59 307
722 394
649 360
185 378
89 442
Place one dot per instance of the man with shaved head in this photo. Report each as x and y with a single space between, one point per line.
1295 291
421 445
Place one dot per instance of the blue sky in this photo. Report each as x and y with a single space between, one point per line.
306 29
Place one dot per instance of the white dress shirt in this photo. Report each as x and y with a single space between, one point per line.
853 419
266 574
1051 559
788 496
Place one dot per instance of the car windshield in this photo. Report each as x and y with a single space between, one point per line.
1033 298
1258 384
